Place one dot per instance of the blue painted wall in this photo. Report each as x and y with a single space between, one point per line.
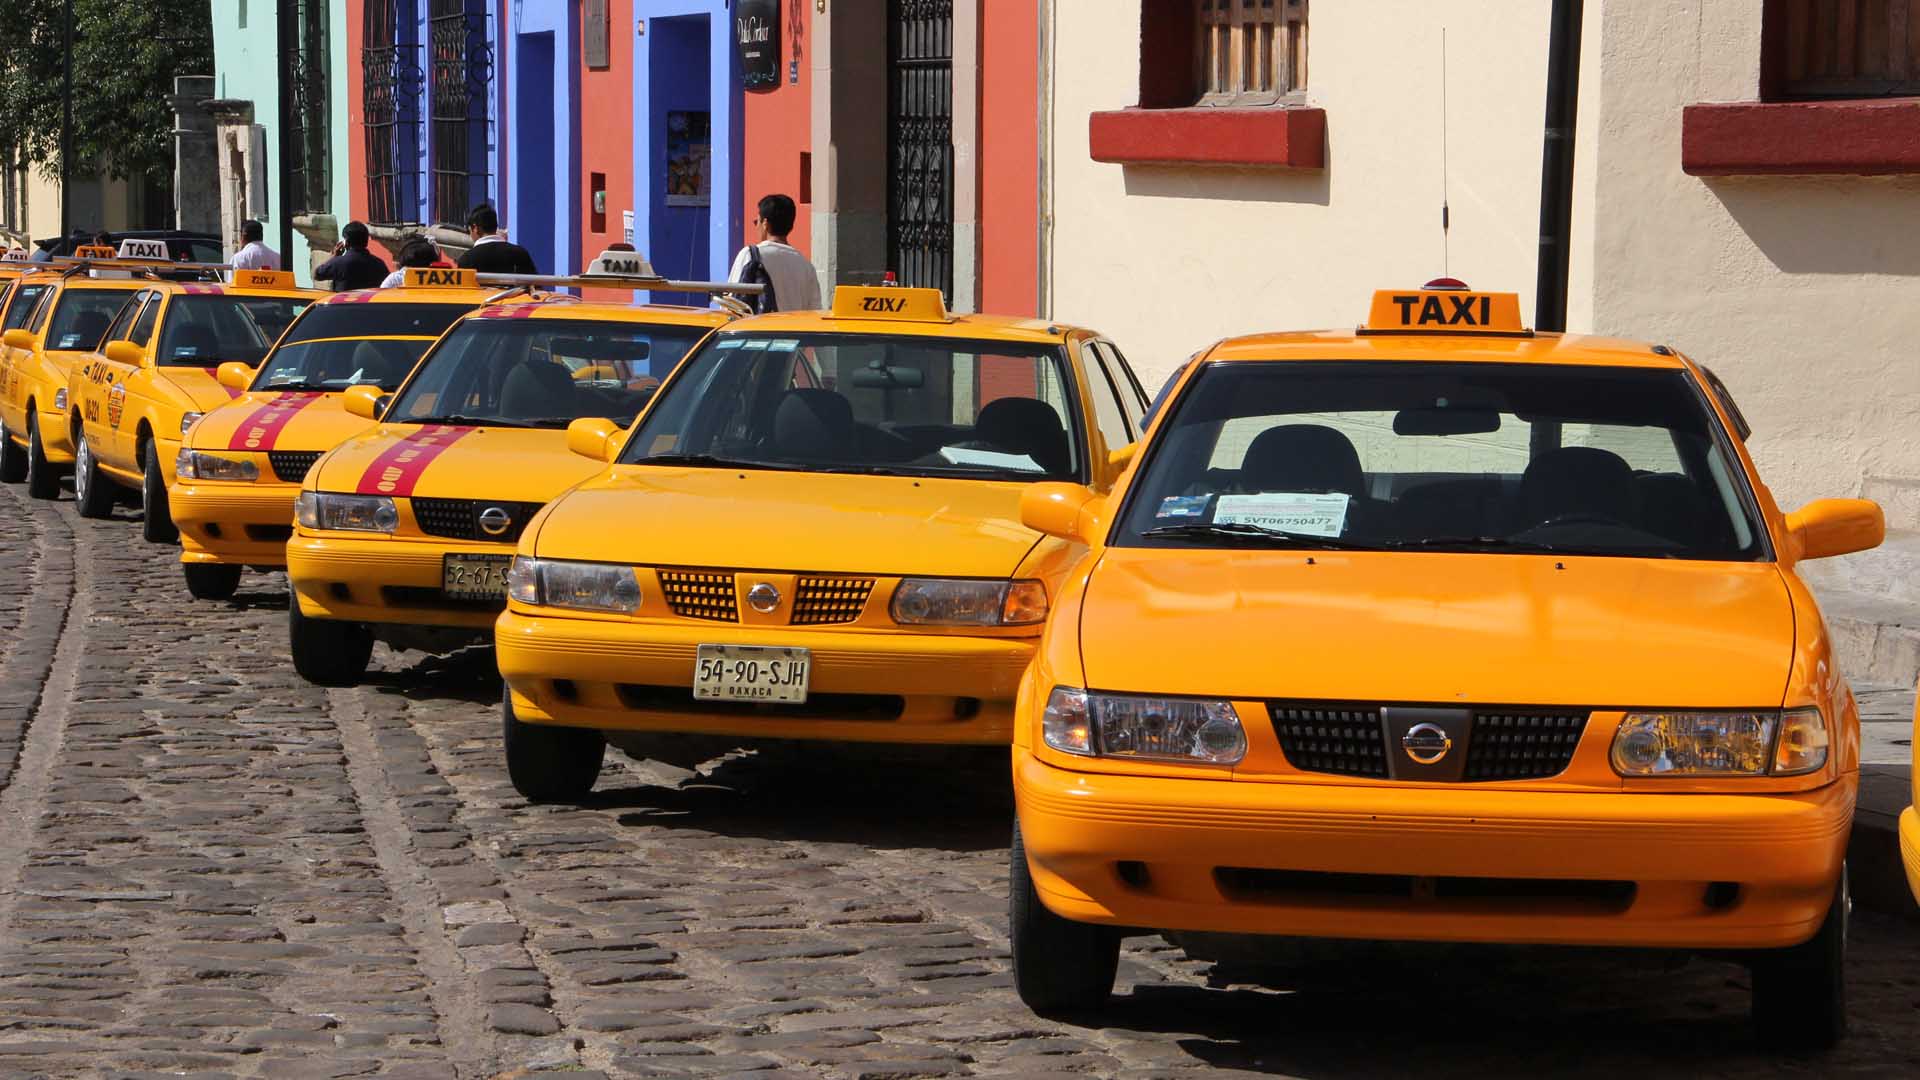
542 193
684 59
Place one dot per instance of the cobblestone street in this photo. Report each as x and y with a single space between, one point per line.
209 867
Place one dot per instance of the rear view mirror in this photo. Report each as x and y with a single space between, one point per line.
366 402
17 339
595 438
234 375
879 376
1445 422
1829 527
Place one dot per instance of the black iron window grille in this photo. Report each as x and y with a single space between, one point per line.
391 85
920 142
310 148
462 53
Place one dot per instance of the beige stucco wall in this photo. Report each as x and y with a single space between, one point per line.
1803 293
1167 259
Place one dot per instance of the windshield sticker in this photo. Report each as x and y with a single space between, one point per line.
756 345
784 345
1307 513
68 341
1183 506
960 456
729 343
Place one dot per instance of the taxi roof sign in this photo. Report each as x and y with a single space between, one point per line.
134 247
262 279
436 277
889 302
1444 307
629 264
93 251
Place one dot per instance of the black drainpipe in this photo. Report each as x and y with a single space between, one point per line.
283 138
1556 166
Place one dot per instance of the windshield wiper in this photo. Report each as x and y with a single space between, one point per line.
712 461
1519 547
458 418
1241 532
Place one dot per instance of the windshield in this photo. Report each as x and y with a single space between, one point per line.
923 406
81 317
542 372
375 320
1444 457
338 363
203 331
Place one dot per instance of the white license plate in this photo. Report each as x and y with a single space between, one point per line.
475 577
751 673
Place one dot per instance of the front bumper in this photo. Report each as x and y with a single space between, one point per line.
379 579
1433 863
864 686
1910 848
237 522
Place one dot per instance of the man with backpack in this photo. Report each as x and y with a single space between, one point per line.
791 281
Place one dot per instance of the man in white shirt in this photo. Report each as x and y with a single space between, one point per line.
255 255
792 282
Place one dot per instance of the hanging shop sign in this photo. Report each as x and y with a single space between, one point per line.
756 36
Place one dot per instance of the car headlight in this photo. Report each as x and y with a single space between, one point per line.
1093 724
60 400
584 586
349 513
1764 742
194 465
963 602
187 420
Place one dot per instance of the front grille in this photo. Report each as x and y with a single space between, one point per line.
291 465
1348 739
1344 740
459 519
1522 746
696 594
821 600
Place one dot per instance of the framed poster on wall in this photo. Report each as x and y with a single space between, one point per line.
689 158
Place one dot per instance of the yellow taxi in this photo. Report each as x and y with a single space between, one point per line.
156 372
404 533
1440 630
239 469
1910 817
812 533
53 319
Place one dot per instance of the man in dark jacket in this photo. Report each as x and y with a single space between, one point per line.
492 253
352 265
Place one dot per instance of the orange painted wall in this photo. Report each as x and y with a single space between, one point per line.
606 129
1009 157
778 130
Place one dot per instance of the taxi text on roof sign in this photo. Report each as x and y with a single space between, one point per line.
137 248
262 279
431 277
621 264
889 302
1443 311
93 251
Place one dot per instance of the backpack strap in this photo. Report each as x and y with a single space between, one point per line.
757 271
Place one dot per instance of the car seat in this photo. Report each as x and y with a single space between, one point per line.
813 426
1578 480
191 342
1021 425
536 389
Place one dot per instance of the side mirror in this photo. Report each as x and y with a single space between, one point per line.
1119 458
124 352
1067 511
233 375
594 437
17 338
366 402
1827 527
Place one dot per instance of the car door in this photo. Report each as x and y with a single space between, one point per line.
19 309
132 383
93 379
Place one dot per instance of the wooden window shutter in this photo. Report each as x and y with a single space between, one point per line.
594 45
1841 49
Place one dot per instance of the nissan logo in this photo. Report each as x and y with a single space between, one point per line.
1426 744
495 520
763 598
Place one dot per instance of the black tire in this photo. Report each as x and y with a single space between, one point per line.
212 581
43 477
155 512
92 492
1060 966
1800 993
13 458
327 652
547 763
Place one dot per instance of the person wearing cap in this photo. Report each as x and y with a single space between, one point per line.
352 266
418 251
254 254
791 281
491 252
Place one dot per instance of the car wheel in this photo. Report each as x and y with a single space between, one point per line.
43 480
327 652
91 494
211 581
1059 966
156 514
1800 993
13 458
548 763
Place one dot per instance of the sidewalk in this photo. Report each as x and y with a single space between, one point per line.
1886 757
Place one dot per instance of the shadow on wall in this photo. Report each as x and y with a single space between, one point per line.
1308 187
1828 225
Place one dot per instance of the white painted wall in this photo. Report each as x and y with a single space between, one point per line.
1803 293
1169 259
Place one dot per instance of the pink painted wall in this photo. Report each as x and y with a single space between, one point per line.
778 131
1009 157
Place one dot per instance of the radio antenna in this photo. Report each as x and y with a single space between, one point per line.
1446 250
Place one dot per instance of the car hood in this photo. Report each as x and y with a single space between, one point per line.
261 420
893 525
1436 628
457 462
198 386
